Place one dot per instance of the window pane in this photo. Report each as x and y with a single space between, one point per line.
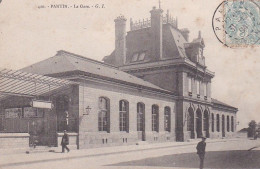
141 56
198 87
167 121
135 57
103 114
102 103
189 84
205 89
155 119
140 116
123 111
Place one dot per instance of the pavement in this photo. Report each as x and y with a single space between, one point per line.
9 160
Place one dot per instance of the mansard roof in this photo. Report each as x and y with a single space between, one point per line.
140 41
65 61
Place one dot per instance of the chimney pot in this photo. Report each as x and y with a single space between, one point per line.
120 40
156 29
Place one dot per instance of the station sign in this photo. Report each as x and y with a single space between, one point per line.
42 104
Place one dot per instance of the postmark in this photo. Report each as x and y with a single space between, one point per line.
236 23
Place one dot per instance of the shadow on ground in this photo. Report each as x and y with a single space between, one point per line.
238 159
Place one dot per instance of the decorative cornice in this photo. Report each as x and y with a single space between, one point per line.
165 64
184 98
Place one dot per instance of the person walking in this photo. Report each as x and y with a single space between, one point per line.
65 141
201 146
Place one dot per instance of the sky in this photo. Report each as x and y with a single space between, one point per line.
29 34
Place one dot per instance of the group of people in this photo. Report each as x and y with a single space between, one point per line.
201 147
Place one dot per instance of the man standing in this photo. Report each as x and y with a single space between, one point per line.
65 141
201 146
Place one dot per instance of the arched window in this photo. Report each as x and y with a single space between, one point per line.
212 122
190 120
206 120
103 114
155 118
140 116
232 123
228 123
123 116
167 119
218 123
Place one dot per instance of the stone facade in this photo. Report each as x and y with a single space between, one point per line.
174 63
89 136
158 90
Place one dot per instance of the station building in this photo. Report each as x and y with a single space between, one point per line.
153 87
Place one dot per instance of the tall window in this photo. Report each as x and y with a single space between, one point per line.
198 87
103 114
228 123
189 85
167 119
205 89
212 122
232 123
190 120
218 125
140 116
206 120
123 115
155 118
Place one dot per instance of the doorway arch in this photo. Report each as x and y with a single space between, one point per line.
206 123
199 123
190 123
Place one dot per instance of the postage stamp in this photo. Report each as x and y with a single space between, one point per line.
242 23
236 23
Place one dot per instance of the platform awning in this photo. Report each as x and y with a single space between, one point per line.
20 83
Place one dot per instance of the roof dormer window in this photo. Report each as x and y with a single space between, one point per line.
138 56
200 52
135 57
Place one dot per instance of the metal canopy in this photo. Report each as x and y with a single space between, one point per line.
27 84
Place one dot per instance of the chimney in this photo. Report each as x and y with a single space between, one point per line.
156 30
185 33
120 40
199 35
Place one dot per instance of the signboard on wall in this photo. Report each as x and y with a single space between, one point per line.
13 113
32 112
41 104
29 112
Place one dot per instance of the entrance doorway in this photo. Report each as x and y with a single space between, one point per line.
199 123
206 123
43 130
190 123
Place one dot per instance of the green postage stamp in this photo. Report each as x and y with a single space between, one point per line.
239 25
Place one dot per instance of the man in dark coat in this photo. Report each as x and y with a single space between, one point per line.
201 146
65 141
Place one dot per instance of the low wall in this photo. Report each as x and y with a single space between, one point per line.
11 141
73 140
241 134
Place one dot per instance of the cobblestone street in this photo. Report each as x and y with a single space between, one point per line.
174 155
